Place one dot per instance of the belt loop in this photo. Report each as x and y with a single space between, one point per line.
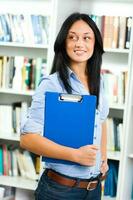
46 171
99 178
77 182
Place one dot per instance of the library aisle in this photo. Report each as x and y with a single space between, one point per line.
27 32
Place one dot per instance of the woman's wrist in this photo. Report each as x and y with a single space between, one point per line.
104 158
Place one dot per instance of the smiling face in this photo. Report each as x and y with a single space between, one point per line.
80 43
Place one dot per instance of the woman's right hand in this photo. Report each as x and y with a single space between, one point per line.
86 155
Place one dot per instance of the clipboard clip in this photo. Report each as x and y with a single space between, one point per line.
70 97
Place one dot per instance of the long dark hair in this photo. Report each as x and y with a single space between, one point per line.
62 61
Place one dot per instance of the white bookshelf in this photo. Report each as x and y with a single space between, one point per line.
9 136
8 96
18 182
52 9
131 155
113 155
23 45
123 58
117 50
15 92
108 198
126 165
117 106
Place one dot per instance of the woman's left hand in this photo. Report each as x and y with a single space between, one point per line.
104 167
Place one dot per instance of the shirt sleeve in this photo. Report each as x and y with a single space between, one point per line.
33 122
103 103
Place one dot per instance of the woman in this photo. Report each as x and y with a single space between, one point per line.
76 69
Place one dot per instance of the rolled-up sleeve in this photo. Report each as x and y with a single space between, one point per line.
33 122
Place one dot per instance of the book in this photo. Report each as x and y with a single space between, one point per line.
110 186
122 32
1 160
128 32
29 166
115 32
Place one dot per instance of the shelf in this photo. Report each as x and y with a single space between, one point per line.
117 106
130 155
12 137
18 182
8 198
23 45
108 198
11 91
113 155
117 50
20 49
116 1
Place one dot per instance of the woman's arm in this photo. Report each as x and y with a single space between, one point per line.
43 146
37 144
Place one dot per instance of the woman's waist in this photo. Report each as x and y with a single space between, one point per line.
74 170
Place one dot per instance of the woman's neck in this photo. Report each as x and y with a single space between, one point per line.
79 69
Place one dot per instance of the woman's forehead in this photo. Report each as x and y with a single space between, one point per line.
80 26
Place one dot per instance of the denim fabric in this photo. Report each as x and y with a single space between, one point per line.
50 190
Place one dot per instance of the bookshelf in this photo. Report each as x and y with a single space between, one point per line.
11 137
18 182
117 106
113 155
127 150
121 59
48 8
14 92
113 58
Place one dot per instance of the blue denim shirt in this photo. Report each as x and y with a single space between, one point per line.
34 121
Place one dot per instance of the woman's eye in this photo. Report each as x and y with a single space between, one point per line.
74 38
86 38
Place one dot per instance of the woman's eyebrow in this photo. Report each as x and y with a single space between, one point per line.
86 33
72 32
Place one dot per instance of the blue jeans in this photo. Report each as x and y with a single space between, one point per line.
50 190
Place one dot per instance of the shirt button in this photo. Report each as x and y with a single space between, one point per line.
94 138
95 125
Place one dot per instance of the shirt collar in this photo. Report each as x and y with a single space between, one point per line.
71 73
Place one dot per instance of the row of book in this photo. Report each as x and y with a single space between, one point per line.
110 185
115 30
13 115
34 29
115 84
114 134
14 162
30 29
21 73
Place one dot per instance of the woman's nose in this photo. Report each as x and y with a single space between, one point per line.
79 42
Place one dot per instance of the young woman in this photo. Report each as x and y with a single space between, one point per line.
76 70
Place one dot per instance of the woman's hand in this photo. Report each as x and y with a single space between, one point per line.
86 155
104 167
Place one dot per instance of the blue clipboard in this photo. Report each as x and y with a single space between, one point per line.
69 120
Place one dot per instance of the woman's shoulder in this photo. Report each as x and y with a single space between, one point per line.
50 77
50 82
